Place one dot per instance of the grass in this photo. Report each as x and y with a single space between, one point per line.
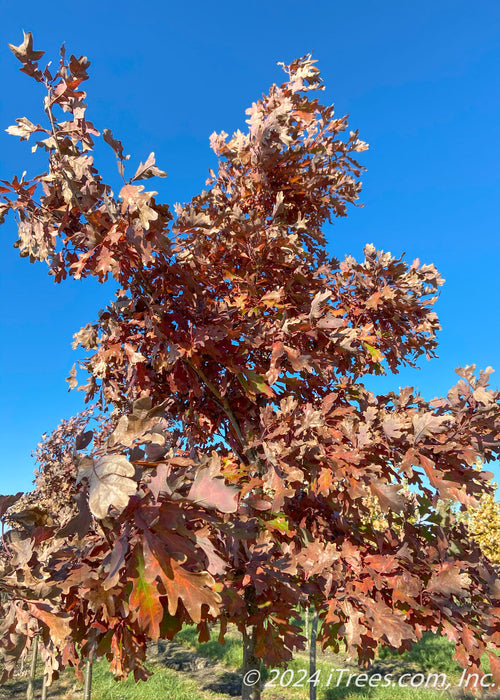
431 654
165 683
230 653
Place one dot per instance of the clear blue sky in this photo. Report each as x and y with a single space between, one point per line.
419 80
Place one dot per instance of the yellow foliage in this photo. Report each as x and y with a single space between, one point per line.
484 526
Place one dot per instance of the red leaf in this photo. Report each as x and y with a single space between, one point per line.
213 493
194 589
144 599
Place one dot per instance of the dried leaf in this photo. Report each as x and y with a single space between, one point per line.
148 169
110 484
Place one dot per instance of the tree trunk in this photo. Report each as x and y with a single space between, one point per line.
306 630
312 654
250 686
30 694
44 686
87 683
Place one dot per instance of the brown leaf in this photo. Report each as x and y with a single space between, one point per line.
22 550
71 378
390 624
24 128
7 501
109 483
148 169
449 580
83 439
114 143
317 303
135 200
24 52
392 427
116 563
428 424
81 522
158 483
389 495
57 622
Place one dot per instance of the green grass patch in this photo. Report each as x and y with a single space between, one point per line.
230 653
164 684
432 652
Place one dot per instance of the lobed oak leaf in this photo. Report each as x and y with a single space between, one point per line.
71 378
78 68
128 429
133 356
467 373
144 599
216 565
57 622
317 303
382 563
449 581
484 396
114 143
194 589
390 624
317 558
299 362
110 484
138 201
389 495
374 301
392 427
406 588
24 128
25 52
428 424
148 169
213 493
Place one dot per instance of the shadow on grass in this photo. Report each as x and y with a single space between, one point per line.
431 653
228 683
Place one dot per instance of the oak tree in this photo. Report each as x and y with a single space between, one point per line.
230 479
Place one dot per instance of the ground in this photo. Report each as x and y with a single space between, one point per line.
186 670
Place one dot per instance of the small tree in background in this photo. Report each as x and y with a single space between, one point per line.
483 522
231 482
